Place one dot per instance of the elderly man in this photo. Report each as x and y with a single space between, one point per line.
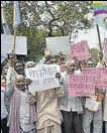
71 107
22 115
92 115
49 117
13 70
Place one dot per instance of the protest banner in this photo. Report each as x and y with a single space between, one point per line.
58 44
79 50
6 45
100 76
81 85
90 79
43 77
89 71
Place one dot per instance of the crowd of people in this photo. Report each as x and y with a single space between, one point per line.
49 111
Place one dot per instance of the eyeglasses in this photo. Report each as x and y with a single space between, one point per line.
90 64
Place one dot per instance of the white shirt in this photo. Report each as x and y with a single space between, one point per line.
4 112
24 113
69 103
78 72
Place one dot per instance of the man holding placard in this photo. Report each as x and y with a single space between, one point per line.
49 117
71 106
93 110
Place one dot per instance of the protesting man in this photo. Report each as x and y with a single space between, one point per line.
49 117
22 114
14 68
71 107
92 115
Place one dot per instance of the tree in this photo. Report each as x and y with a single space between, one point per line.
64 16
40 19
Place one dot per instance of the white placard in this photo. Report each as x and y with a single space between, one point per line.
92 104
7 42
57 44
43 77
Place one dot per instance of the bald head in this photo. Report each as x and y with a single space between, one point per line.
20 82
20 79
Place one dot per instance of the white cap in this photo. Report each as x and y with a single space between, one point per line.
70 62
31 63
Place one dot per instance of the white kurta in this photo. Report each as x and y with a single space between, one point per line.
4 112
24 114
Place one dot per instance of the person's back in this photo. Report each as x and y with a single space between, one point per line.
48 112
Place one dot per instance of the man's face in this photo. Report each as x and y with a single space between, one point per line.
90 64
19 68
20 83
71 68
83 64
54 61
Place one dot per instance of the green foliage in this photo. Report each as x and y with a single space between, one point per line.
40 19
35 41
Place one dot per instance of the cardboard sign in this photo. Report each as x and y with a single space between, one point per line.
3 57
89 71
81 85
43 77
85 84
79 50
100 76
6 45
92 105
58 44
